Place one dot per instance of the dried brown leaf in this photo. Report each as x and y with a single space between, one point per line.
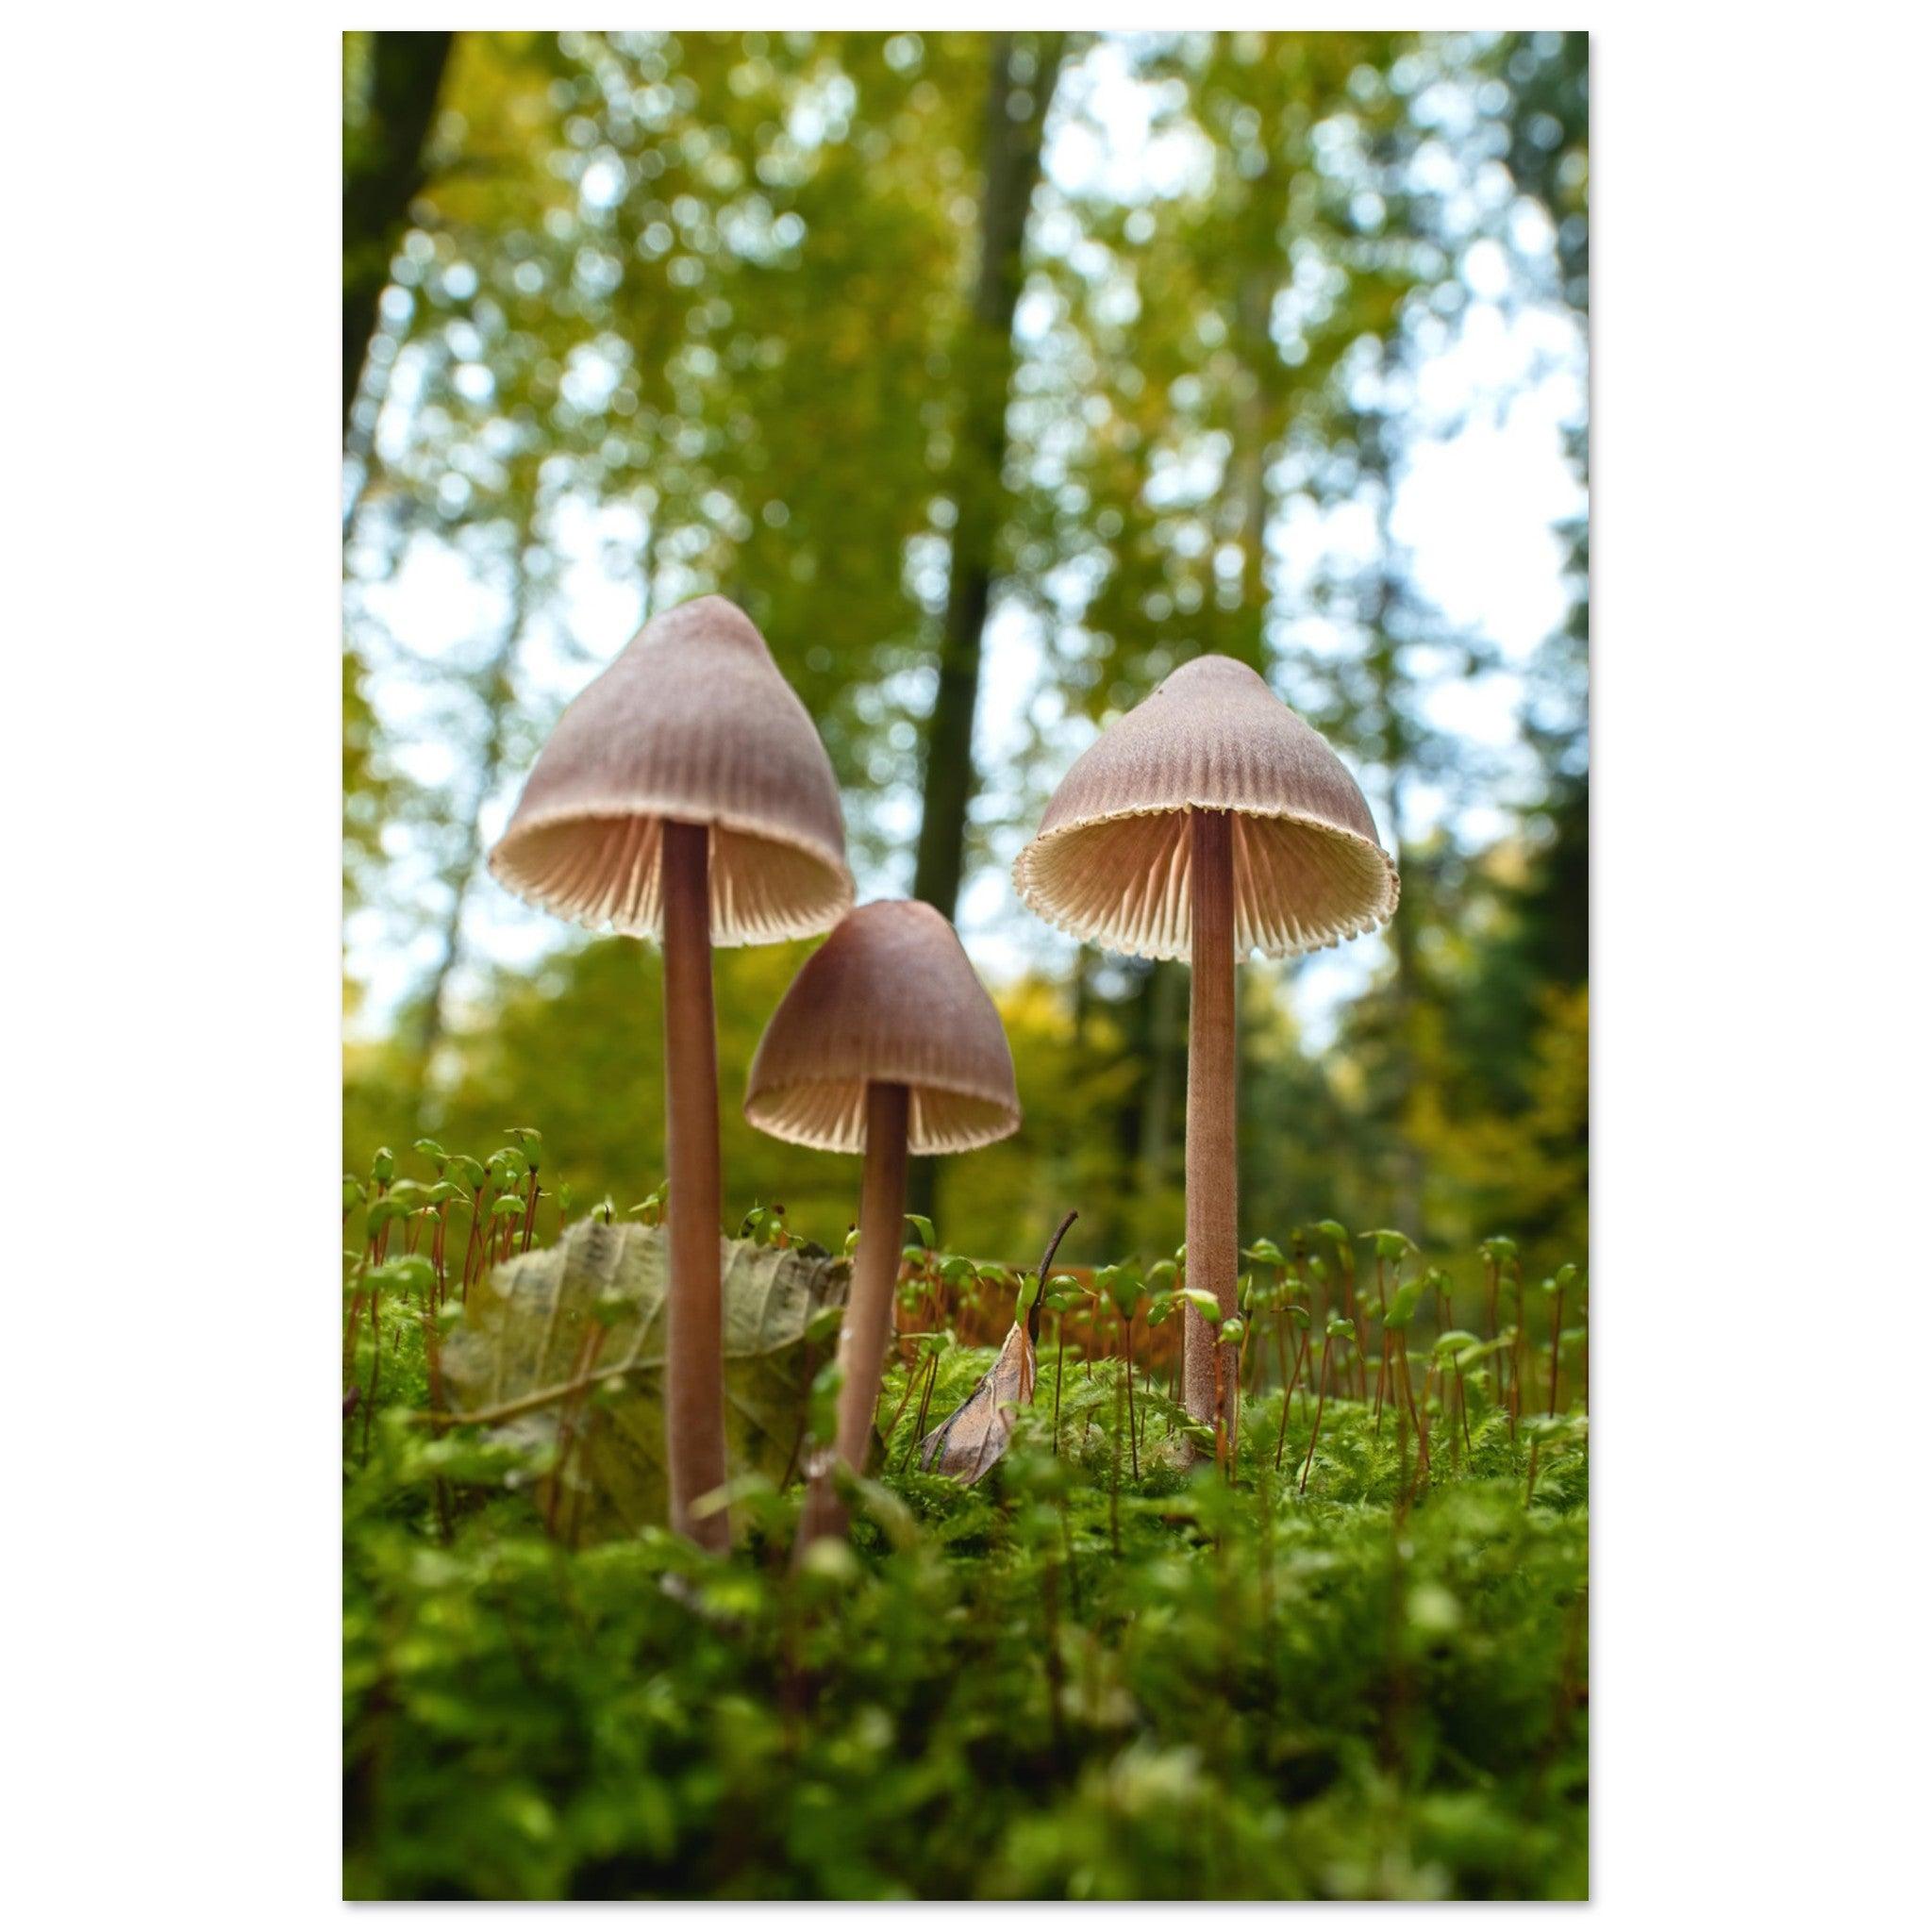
974 1436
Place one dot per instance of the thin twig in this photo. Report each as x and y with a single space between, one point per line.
1073 1214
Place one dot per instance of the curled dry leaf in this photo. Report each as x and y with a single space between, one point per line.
974 1436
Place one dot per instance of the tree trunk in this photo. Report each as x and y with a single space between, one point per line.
1255 415
382 172
985 367
1163 995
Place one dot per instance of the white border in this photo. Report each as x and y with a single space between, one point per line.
170 786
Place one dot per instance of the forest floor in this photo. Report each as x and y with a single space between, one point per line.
1093 1675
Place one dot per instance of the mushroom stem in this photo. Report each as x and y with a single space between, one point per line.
694 1339
868 1326
1212 1241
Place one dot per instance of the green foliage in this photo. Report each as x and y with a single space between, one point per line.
1326 1703
685 312
1101 1674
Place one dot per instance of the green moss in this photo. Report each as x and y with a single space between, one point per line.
1376 1690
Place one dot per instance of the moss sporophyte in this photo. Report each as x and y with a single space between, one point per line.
1399 1620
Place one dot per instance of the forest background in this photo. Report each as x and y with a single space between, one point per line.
994 374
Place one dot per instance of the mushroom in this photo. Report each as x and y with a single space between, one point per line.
685 793
885 1045
1209 822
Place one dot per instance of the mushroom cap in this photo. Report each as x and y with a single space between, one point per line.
693 723
890 996
1111 859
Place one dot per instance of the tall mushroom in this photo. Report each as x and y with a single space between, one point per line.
885 1045
685 793
1209 822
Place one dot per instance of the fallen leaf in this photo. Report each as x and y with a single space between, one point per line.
541 1325
974 1436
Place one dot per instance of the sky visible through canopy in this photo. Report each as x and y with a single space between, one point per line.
1484 482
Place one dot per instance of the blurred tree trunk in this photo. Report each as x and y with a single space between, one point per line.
985 366
1162 993
382 172
1256 416
1016 111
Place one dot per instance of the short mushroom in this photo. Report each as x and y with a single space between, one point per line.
685 793
885 1045
1209 822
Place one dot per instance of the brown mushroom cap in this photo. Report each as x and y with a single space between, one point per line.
1110 861
890 996
693 721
